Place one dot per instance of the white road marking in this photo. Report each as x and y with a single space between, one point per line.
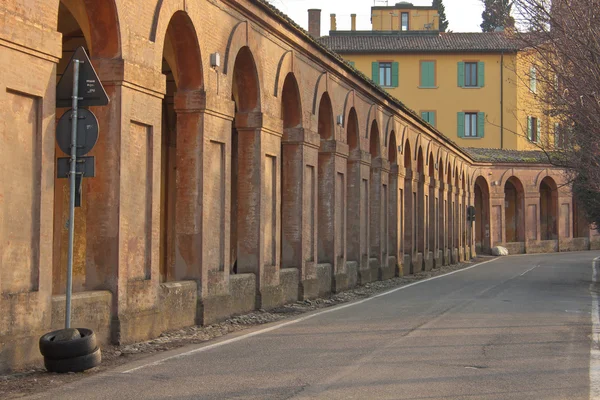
595 347
529 270
295 321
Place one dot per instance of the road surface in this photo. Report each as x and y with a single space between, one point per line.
514 328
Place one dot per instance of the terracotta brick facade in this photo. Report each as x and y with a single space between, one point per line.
278 175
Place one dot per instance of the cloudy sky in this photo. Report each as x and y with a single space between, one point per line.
463 15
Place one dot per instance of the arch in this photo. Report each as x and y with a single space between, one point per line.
348 106
389 129
514 212
374 143
548 209
481 191
245 87
420 162
291 103
371 116
325 118
407 156
352 131
181 50
431 167
99 21
393 149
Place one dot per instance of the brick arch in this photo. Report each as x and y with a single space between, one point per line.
321 87
407 155
245 82
371 116
181 50
391 126
99 21
353 130
481 192
392 148
284 68
291 103
326 125
514 221
374 140
548 208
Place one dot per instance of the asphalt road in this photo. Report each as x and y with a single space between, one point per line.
515 328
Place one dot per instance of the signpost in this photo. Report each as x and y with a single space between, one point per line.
78 86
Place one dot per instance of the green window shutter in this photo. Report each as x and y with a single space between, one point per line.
481 124
539 130
533 80
375 72
425 116
529 128
481 74
427 74
424 76
395 73
461 124
461 74
432 118
351 63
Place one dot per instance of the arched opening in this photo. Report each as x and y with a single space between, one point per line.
291 194
244 192
456 211
442 210
99 36
394 208
513 209
482 215
354 195
463 213
182 67
325 118
548 209
409 202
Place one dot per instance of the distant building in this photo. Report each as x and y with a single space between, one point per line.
479 89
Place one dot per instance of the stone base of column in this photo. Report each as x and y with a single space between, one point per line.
289 280
269 297
595 243
371 273
454 256
438 259
352 273
428 262
417 263
461 254
407 264
135 327
241 299
387 272
309 289
339 283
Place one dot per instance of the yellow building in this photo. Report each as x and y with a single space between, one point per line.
479 89
404 17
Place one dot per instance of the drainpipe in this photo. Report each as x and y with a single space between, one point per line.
502 100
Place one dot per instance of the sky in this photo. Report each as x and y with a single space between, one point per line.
463 15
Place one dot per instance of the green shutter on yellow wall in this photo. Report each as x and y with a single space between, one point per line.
432 118
351 63
427 74
461 124
529 128
481 74
461 74
395 73
539 130
375 72
481 125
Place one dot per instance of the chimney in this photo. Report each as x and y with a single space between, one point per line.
353 18
314 22
333 23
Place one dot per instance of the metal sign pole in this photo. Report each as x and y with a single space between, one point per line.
72 176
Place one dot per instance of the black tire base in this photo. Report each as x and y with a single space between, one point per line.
76 364
58 350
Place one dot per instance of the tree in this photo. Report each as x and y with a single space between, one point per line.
565 50
497 13
439 5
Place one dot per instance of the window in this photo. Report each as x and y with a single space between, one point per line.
471 124
404 25
428 116
351 63
559 136
471 74
533 129
533 80
428 74
385 73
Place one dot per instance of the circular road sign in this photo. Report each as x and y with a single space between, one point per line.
87 132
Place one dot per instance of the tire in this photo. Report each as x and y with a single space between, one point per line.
58 350
76 364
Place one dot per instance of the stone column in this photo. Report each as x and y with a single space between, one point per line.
471 236
331 217
380 218
497 219
435 244
418 187
396 217
443 223
409 222
259 224
533 234
359 165
299 211
428 226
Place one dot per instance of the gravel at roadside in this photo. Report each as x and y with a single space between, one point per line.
36 379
